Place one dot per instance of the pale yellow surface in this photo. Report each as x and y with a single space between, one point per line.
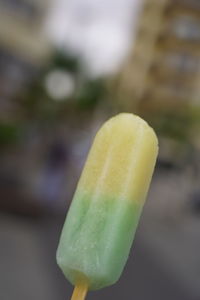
121 160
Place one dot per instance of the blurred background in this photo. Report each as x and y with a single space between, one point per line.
65 67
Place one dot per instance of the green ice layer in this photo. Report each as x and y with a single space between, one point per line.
96 239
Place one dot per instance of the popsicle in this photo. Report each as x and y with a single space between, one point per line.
101 222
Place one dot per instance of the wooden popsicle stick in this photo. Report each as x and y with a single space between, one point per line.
80 291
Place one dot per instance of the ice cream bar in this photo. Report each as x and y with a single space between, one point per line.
103 216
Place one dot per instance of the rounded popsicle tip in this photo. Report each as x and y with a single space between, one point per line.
128 127
129 121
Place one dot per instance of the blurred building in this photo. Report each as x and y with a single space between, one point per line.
23 47
164 66
21 22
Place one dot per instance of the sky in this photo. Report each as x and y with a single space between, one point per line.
97 31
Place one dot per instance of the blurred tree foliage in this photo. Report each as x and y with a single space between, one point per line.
9 134
37 103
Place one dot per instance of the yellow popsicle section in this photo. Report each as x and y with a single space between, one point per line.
103 217
123 143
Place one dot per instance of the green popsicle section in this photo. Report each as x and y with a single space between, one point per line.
102 219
